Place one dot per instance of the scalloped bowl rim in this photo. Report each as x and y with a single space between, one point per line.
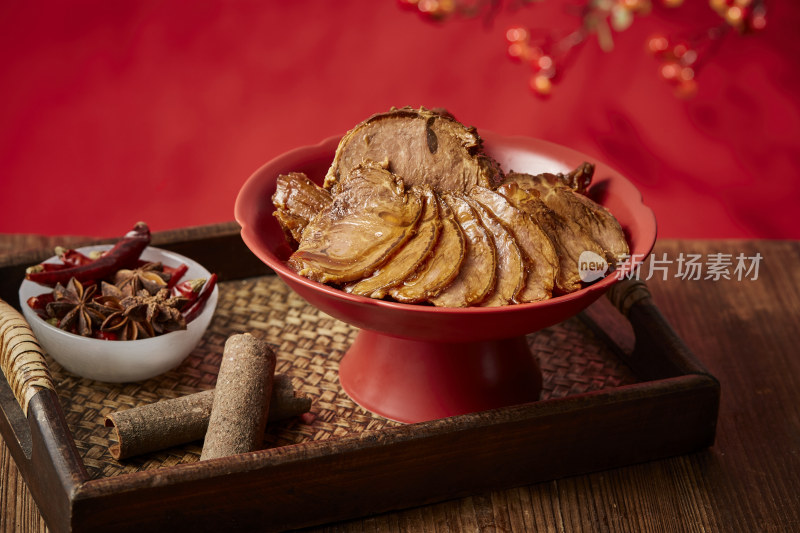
646 217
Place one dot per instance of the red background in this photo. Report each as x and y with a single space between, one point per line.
114 112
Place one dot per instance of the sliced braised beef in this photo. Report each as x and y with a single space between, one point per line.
541 261
297 200
510 272
410 256
369 219
412 208
569 239
440 268
476 277
421 146
593 219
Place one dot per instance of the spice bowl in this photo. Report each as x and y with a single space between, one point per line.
120 361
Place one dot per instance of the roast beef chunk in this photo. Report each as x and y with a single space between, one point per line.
440 268
297 200
410 256
593 219
510 271
541 262
569 239
476 279
423 147
369 219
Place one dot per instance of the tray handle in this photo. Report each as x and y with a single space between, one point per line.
658 351
628 293
21 358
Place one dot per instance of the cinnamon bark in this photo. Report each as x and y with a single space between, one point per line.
169 423
241 401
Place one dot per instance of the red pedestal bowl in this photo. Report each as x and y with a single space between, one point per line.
413 363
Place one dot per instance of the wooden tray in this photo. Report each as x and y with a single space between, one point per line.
620 388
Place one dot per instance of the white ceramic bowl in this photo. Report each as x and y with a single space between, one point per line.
121 361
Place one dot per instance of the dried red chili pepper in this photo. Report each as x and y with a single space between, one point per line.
195 309
39 304
124 254
71 257
189 289
175 274
47 267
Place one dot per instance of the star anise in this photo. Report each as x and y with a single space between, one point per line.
76 309
149 277
118 322
149 314
127 328
111 292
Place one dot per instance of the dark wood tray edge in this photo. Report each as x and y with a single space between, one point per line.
307 484
44 452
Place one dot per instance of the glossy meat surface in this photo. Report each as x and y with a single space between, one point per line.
541 262
297 200
476 277
423 147
510 272
369 219
569 240
410 256
593 219
441 266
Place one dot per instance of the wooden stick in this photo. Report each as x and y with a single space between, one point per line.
242 397
168 423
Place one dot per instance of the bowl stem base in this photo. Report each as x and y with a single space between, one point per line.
414 381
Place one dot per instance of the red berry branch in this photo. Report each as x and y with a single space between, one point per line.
547 53
682 57
440 10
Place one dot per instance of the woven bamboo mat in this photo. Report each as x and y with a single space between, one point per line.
309 345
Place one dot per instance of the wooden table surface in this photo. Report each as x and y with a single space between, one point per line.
744 331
